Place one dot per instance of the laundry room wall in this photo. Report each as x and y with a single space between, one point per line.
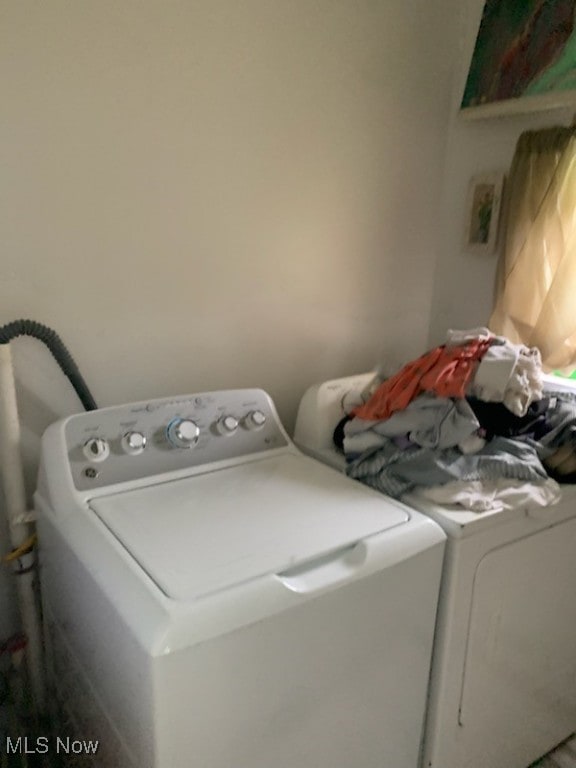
463 282
206 194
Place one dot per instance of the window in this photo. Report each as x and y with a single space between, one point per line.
535 301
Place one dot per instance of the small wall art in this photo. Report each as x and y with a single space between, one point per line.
524 58
483 212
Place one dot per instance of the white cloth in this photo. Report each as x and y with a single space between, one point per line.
494 372
456 338
510 374
492 496
526 384
472 444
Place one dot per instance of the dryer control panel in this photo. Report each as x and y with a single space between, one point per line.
134 441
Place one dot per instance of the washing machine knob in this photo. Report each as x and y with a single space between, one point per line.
133 443
254 420
96 449
183 433
227 425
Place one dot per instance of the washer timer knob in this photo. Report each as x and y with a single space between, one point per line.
133 443
254 420
96 449
227 425
182 433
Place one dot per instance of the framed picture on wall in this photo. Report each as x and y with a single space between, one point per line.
483 212
524 58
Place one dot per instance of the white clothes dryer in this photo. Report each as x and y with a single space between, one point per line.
503 683
214 598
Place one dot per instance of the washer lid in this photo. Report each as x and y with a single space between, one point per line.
204 533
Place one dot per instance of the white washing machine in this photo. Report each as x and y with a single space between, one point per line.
214 598
503 684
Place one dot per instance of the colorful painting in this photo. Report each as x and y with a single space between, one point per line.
483 211
524 48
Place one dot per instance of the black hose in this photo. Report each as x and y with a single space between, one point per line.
59 352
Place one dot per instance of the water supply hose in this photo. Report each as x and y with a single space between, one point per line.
59 352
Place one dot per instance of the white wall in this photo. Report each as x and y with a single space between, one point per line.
211 193
463 283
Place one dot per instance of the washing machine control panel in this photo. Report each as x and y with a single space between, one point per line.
139 440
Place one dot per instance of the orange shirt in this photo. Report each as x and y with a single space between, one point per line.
446 371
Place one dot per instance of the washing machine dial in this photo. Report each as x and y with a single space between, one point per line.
96 449
254 420
183 433
227 425
133 443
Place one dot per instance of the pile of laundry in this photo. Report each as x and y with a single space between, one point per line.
466 424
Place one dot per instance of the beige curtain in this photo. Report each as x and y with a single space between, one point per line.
535 302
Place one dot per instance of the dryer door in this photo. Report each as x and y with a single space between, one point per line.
518 695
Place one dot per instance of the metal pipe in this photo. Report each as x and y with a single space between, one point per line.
12 477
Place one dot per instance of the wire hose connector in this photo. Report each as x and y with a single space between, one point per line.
59 351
